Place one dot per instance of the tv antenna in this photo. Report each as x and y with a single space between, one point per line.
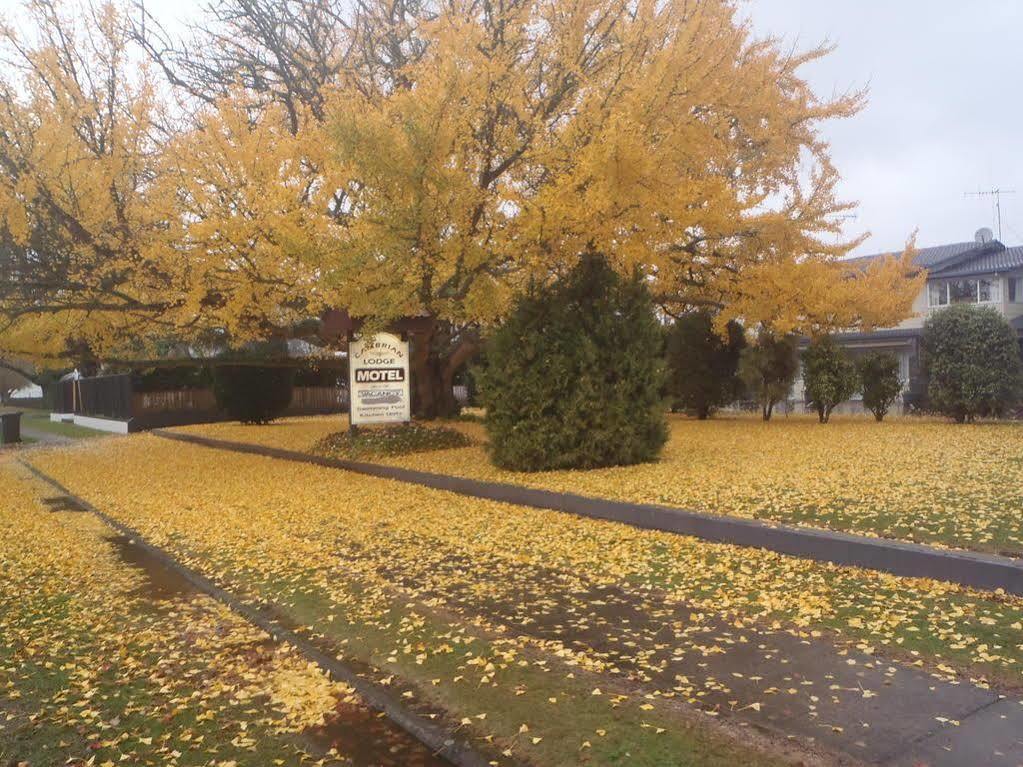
997 195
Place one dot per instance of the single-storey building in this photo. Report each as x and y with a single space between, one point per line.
982 271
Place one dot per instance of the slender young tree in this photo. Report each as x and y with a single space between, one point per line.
829 376
880 381
702 364
767 368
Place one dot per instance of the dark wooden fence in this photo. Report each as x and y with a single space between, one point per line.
152 402
310 400
113 397
105 396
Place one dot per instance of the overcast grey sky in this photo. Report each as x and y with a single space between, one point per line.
943 117
944 111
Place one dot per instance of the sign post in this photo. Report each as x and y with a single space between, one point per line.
378 380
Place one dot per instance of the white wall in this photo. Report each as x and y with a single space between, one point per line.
921 309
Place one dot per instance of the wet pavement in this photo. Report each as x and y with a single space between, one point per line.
62 503
841 699
161 581
45 437
367 737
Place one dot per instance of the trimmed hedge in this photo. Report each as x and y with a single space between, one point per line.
390 441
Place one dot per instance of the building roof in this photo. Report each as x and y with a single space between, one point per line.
889 334
927 258
1005 260
959 259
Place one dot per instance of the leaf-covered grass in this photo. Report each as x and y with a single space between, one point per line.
98 667
922 480
639 608
530 705
39 421
390 441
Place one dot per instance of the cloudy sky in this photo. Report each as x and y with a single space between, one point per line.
943 116
944 112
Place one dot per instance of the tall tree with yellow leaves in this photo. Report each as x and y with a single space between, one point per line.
78 153
250 223
485 144
130 220
418 159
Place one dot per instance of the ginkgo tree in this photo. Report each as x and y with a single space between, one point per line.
132 218
508 139
78 151
416 160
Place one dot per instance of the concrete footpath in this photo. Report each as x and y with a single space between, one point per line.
859 705
46 437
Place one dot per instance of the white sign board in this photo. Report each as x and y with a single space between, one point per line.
378 378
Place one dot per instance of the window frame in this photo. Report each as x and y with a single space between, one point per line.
995 291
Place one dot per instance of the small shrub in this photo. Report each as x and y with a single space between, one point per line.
573 377
702 365
880 382
972 358
382 442
252 393
768 368
829 376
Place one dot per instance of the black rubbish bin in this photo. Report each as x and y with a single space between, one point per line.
10 428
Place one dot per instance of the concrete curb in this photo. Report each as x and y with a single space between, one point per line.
436 738
912 560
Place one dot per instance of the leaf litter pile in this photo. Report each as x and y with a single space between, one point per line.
551 637
388 441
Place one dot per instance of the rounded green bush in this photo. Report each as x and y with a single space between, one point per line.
972 357
573 377
253 393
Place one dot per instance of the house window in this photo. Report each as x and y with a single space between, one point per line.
962 292
966 291
1016 290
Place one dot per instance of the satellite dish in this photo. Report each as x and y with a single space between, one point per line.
984 235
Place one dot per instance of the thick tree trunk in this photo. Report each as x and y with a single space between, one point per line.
434 363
